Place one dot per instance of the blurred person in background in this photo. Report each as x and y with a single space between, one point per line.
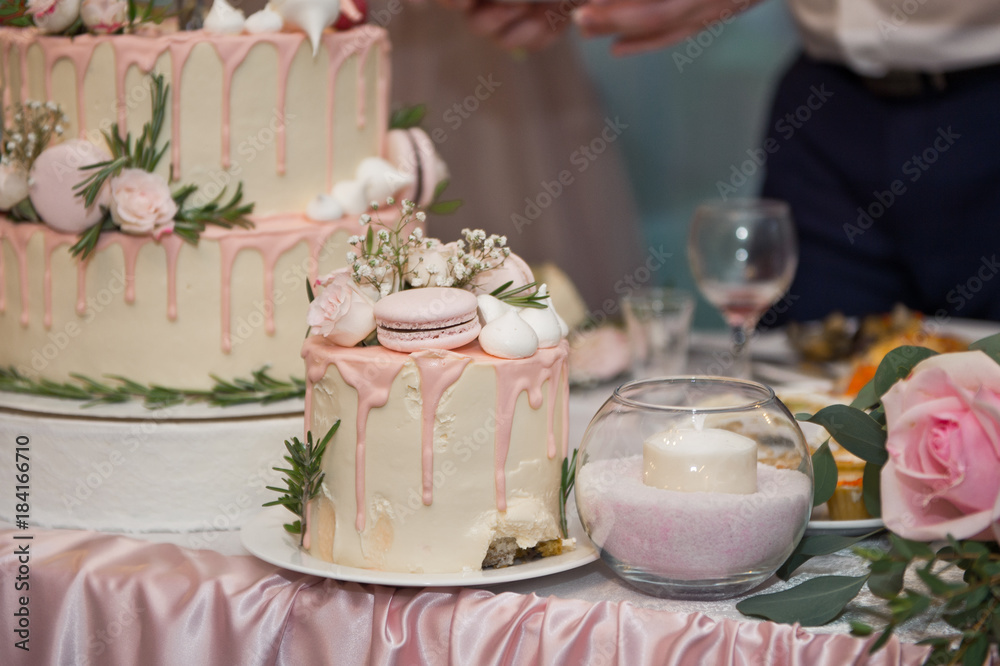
882 136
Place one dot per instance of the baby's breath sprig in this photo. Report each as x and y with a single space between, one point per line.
381 257
476 253
518 296
32 126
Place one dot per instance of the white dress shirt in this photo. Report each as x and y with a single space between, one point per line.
874 36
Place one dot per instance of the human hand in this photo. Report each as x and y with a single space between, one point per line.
512 25
646 25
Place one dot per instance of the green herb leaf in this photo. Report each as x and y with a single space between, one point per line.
866 398
825 474
814 545
407 117
886 579
568 480
445 207
812 603
897 365
989 345
871 489
855 431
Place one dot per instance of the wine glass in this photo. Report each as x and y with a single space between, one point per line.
743 254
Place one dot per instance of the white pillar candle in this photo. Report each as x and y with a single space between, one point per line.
709 460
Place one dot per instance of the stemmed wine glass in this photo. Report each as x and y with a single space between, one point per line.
743 254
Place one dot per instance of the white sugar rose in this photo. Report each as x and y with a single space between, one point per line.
141 203
342 312
104 16
53 16
13 186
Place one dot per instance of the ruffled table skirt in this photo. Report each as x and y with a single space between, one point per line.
111 599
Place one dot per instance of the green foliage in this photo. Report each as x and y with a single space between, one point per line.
407 117
519 296
145 154
260 388
824 474
303 478
568 480
970 605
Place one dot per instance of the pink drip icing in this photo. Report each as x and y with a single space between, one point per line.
565 413
179 54
438 371
371 371
371 375
19 235
336 61
130 51
362 89
79 52
285 57
172 246
232 50
514 380
51 242
383 94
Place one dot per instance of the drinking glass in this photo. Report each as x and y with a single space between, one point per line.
743 254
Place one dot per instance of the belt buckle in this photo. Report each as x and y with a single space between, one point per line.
901 83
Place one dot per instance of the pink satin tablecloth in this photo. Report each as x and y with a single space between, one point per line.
110 599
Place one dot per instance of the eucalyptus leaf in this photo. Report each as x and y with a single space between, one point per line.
871 489
897 364
814 545
975 654
824 473
855 431
886 579
444 207
989 345
866 397
812 603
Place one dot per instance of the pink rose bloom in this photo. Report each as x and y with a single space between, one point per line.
104 16
41 7
141 203
342 312
943 473
52 16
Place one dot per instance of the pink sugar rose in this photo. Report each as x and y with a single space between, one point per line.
141 203
342 312
943 473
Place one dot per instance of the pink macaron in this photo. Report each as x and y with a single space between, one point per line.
428 318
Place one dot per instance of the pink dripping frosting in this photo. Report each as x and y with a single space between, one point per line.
372 370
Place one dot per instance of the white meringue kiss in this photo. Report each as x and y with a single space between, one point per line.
224 19
350 194
264 21
545 325
508 337
324 208
311 16
380 178
492 308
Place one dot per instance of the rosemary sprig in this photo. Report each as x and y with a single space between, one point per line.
302 478
261 388
189 223
517 296
87 241
566 484
407 117
143 155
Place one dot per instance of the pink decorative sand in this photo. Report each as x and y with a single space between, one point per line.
692 535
